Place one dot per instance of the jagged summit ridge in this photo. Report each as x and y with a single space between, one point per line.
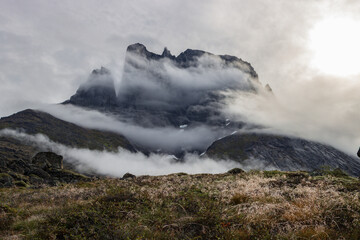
189 58
151 87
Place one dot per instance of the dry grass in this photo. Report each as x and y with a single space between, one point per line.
253 205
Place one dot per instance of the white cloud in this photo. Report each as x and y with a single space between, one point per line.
116 164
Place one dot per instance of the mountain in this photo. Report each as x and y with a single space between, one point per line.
152 92
180 94
33 122
97 92
186 91
281 152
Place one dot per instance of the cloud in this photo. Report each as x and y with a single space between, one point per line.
161 84
116 164
49 48
168 139
324 109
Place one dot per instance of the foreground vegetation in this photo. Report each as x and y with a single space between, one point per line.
237 205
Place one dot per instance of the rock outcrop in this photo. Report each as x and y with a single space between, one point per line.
48 160
45 168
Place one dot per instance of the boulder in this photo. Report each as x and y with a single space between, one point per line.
235 171
128 175
47 160
358 153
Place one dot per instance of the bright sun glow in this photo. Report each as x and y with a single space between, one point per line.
336 46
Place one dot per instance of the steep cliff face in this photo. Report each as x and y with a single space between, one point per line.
280 152
97 92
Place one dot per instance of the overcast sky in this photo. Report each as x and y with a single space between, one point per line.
47 48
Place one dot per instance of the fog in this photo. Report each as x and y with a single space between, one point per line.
324 109
161 84
165 138
116 164
49 48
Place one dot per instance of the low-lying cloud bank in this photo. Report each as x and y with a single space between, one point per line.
118 163
165 138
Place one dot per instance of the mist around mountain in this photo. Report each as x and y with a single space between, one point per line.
162 157
183 100
168 114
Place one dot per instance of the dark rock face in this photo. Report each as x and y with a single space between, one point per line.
98 91
283 153
235 171
358 153
128 175
47 160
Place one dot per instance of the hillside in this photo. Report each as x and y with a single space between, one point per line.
281 152
236 205
66 133
18 165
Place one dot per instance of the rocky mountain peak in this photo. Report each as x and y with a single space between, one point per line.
98 91
101 71
148 89
167 53
140 50
268 88
137 48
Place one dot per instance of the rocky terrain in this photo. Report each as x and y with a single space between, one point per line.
23 163
45 168
234 205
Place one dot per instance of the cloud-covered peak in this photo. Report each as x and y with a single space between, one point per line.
101 71
164 90
167 53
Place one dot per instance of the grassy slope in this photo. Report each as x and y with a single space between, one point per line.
64 132
253 205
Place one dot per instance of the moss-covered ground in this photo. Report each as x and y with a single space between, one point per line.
251 205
